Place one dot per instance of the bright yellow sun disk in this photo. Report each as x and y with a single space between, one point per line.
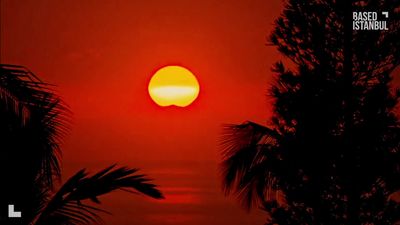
173 85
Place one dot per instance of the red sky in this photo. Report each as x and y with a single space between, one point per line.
101 54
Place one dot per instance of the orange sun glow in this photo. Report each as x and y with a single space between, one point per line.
173 85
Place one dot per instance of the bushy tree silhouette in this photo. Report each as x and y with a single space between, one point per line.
331 154
33 122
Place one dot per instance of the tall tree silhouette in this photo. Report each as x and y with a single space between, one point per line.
33 122
331 152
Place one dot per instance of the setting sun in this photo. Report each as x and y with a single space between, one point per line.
173 85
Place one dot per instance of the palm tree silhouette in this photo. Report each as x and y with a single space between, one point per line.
331 154
34 121
66 206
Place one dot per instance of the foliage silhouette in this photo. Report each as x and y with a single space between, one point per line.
34 121
331 152
65 207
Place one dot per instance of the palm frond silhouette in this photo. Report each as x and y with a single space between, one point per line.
67 206
34 122
30 103
246 167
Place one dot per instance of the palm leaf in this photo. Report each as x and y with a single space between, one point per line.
67 205
40 111
249 162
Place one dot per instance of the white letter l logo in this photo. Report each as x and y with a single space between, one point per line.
12 213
